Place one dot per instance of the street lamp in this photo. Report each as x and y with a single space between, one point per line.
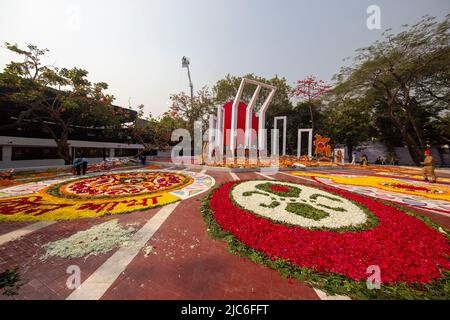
185 64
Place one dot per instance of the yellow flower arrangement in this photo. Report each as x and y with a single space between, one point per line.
135 191
437 192
48 207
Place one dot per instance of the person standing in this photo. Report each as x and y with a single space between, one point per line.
354 157
143 159
428 167
364 160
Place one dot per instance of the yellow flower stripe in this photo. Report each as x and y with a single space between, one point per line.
41 206
438 192
47 204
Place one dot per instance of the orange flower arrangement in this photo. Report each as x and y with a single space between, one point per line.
322 146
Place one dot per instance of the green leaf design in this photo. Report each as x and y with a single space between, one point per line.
306 210
293 192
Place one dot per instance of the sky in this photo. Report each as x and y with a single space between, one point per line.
136 46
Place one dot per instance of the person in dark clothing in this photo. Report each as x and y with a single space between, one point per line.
143 159
80 164
364 160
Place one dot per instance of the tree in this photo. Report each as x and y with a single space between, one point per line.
55 98
347 121
153 133
407 75
300 118
308 90
187 111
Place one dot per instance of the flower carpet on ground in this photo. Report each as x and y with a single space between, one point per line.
396 172
305 231
434 197
98 194
96 240
431 191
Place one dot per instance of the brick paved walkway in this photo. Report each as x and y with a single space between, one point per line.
184 263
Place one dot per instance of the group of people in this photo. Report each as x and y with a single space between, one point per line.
428 169
363 160
80 164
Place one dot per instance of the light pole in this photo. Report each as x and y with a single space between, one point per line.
185 64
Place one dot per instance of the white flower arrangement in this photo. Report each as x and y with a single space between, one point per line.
334 211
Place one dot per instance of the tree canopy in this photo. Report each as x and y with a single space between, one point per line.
56 98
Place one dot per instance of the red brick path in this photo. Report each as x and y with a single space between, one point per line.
185 262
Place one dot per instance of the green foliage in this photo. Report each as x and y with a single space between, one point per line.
187 110
9 281
316 196
55 98
306 210
403 78
272 205
347 121
154 133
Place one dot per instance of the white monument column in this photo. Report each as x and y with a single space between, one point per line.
249 118
275 126
299 142
262 137
212 135
219 131
234 115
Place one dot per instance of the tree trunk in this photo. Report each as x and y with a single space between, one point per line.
416 153
350 153
63 151
415 150
312 117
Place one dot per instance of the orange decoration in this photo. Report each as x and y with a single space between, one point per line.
322 146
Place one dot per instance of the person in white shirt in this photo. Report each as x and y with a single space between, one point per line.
353 157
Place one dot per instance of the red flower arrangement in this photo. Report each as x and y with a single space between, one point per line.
405 248
409 187
278 188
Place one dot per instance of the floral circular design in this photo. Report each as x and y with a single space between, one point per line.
120 185
99 194
298 205
414 188
406 249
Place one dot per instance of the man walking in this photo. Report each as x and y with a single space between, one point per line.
428 167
